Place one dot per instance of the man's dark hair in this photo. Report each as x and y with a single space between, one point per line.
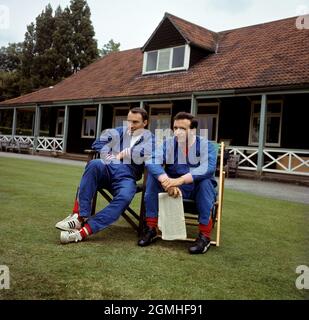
141 111
188 116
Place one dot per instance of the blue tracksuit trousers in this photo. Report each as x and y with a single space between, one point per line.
203 192
115 179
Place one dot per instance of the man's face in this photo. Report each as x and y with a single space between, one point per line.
135 122
182 129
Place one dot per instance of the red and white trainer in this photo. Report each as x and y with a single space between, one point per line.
71 222
70 236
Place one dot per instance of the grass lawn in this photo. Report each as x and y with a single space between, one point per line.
263 241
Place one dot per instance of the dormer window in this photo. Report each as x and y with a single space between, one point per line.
165 60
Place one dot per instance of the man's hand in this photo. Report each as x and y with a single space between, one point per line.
174 192
125 153
169 182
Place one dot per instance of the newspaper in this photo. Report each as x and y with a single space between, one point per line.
171 218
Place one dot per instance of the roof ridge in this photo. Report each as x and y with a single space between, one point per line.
167 14
258 24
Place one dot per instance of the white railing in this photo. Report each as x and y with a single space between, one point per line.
17 139
50 144
275 160
286 161
24 139
43 143
248 157
5 138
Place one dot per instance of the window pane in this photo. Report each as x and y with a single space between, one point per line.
273 126
121 121
85 127
178 57
255 130
60 125
209 123
162 122
164 59
152 61
91 126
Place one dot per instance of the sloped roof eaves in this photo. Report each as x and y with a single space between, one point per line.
194 34
268 55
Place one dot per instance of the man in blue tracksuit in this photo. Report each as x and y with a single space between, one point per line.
190 164
121 165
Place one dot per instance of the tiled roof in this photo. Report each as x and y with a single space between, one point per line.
265 55
195 34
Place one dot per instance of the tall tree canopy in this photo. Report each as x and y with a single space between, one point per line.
58 44
85 49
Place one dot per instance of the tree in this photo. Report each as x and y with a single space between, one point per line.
45 55
63 44
10 60
85 48
27 60
111 46
45 27
10 57
9 84
55 46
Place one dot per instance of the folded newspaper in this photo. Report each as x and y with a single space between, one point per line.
171 218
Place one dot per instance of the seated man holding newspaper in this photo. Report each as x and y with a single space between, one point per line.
189 166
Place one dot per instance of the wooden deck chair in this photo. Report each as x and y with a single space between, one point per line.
190 207
191 213
130 215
